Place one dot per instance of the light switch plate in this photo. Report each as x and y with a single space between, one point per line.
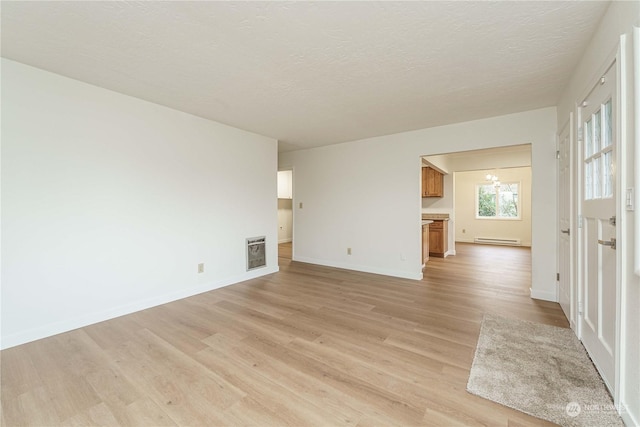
630 199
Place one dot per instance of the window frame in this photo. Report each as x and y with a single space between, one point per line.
499 218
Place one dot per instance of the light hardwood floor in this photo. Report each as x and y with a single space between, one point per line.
308 346
285 250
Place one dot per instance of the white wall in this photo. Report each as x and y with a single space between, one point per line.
110 202
491 159
619 20
440 161
465 202
442 204
366 195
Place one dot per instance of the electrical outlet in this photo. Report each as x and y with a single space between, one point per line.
201 267
348 251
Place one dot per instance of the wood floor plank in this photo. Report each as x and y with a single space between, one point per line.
307 346
374 398
182 390
317 394
115 331
114 389
98 415
439 349
285 404
391 360
256 302
19 375
250 412
175 325
67 390
31 408
276 325
401 387
186 374
145 412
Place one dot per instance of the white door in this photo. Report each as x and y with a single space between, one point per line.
565 287
598 232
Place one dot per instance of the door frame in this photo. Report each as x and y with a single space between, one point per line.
617 60
293 207
570 126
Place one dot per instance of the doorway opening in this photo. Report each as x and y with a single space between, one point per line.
486 196
285 214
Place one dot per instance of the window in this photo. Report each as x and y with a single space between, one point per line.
498 201
599 167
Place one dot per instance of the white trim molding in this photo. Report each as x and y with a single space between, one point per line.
79 322
364 269
544 295
636 106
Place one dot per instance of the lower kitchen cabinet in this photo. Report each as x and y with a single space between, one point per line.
438 238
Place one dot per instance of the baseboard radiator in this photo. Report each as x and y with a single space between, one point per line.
495 241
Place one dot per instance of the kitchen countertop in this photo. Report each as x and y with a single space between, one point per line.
435 217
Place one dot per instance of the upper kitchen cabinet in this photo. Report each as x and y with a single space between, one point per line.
285 184
432 183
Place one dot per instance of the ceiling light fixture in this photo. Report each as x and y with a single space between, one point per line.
494 179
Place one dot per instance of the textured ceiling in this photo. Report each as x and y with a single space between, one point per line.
313 73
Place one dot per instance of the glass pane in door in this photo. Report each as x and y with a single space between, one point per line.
596 132
588 181
587 139
608 174
597 177
608 128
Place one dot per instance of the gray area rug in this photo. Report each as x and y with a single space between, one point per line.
540 370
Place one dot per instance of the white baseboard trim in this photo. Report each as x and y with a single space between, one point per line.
464 240
284 241
363 268
524 244
45 331
543 295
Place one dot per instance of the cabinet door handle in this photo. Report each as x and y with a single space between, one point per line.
611 243
567 231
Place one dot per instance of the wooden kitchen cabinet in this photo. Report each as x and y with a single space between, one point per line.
432 183
438 238
425 243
